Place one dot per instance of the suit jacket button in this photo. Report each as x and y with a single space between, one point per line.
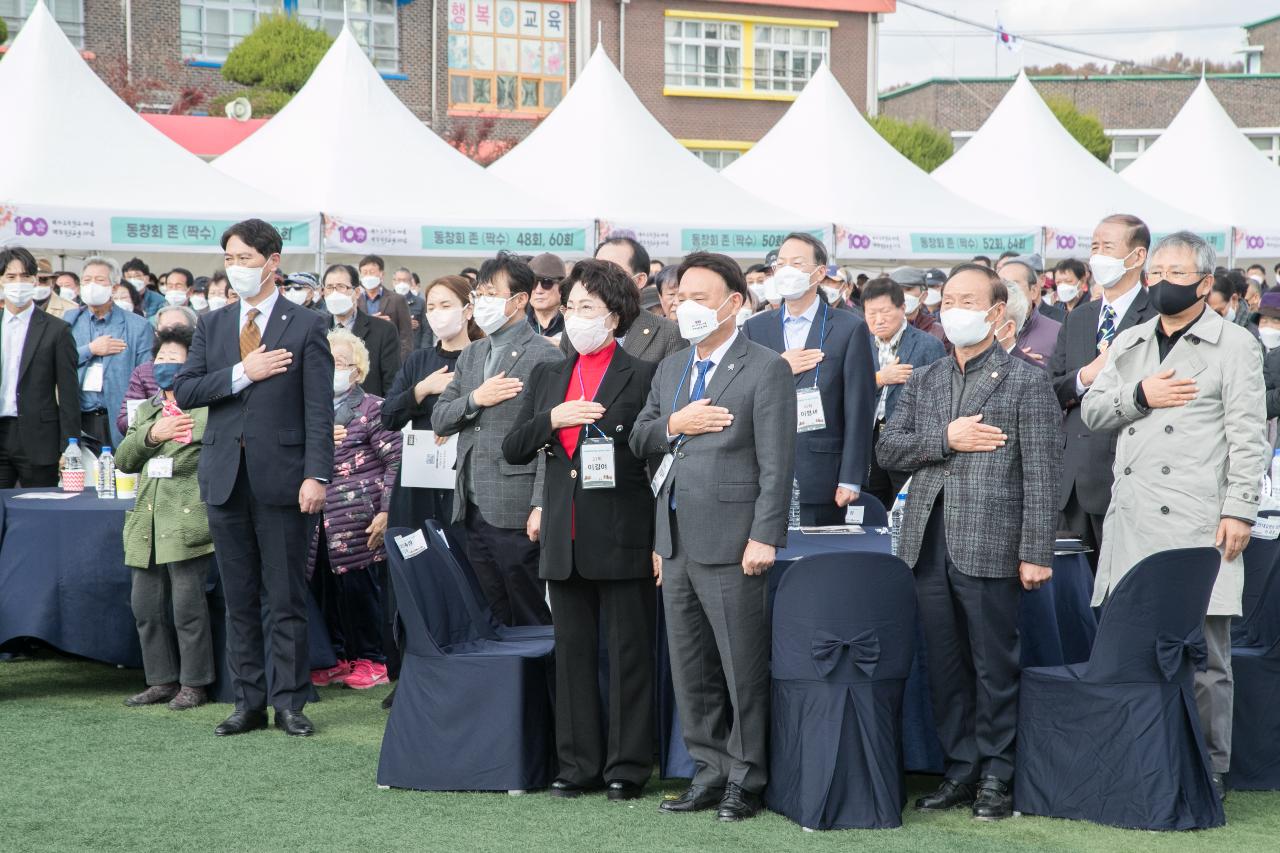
477 429
1164 510
680 455
1132 430
1128 471
1164 470
644 331
573 475
946 473
618 428
1168 428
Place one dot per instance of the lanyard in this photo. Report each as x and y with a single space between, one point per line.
822 333
582 385
693 351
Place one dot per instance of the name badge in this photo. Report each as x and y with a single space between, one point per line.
660 476
92 381
809 414
160 468
597 463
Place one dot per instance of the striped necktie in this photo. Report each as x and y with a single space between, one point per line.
1107 330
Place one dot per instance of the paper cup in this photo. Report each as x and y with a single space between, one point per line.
126 485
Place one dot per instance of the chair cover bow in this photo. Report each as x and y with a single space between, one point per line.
1170 651
828 649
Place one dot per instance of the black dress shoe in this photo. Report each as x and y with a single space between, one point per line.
994 801
568 790
950 794
294 723
695 798
388 700
240 722
738 804
1220 786
621 790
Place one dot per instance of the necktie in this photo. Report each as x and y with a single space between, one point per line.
250 337
699 391
1107 330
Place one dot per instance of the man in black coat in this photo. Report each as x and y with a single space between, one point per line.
379 336
1119 251
263 368
39 389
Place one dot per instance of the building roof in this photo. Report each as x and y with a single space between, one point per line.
1072 78
1263 22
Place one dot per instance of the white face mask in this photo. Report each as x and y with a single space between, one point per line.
297 295
1257 279
175 297
43 292
744 314
1067 292
339 304
402 288
198 302
1107 271
588 335
123 304
771 294
19 293
342 381
247 281
932 297
910 303
69 293
791 282
96 295
697 321
757 290
833 293
491 313
1270 337
216 302
138 284
370 282
964 326
1230 316
445 323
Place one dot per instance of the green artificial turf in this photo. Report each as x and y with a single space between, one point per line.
79 771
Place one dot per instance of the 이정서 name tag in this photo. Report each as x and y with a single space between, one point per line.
809 414
597 463
660 476
160 468
93 375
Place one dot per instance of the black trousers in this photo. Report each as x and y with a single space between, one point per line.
506 563
1086 525
626 610
352 606
972 650
263 548
884 485
15 470
95 430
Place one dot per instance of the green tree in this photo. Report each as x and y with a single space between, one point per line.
1085 127
920 142
4 31
274 61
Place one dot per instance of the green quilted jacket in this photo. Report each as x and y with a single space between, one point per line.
168 519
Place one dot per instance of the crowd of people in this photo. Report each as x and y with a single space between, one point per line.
622 422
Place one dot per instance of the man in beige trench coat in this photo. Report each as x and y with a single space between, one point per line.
1185 391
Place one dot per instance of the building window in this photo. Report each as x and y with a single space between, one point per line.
507 56
211 28
704 54
1127 148
716 158
742 56
786 57
373 23
1268 144
68 13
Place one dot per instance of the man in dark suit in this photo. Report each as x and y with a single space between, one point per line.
650 338
263 368
898 349
828 351
405 284
379 336
382 304
978 434
724 415
915 292
1119 252
39 389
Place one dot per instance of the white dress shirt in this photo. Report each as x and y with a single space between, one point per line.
14 338
239 381
1120 306
795 329
887 350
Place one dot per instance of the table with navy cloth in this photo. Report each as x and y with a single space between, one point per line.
1057 627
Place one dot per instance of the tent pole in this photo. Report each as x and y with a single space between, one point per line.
320 248
1231 247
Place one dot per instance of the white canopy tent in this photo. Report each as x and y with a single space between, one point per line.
884 206
413 194
81 171
608 158
1203 161
1023 161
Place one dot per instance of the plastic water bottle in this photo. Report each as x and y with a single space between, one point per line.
107 474
896 516
793 514
72 468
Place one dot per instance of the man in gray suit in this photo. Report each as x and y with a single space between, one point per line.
722 414
497 501
979 433
650 338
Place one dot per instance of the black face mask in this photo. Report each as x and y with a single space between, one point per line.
1171 299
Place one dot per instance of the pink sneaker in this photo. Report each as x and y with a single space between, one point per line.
366 674
336 674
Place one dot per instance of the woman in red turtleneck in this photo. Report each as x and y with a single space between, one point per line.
596 542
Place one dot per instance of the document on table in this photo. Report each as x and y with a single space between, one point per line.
426 465
46 496
842 529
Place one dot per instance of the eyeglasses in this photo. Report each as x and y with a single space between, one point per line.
586 312
338 288
798 263
1184 276
547 284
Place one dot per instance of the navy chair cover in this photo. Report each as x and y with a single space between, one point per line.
1117 740
473 710
844 628
1255 738
1260 558
873 512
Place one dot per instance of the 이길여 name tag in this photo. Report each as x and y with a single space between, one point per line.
809 414
160 468
660 476
597 463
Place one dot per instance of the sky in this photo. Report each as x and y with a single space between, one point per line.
916 45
